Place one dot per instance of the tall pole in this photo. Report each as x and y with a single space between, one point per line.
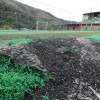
69 20
81 24
16 20
47 8
37 25
46 25
91 19
27 12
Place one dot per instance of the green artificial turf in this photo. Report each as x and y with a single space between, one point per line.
95 38
16 80
35 35
15 41
42 32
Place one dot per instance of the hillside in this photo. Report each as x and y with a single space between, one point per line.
14 14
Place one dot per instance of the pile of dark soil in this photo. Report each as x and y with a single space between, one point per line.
61 61
62 57
75 65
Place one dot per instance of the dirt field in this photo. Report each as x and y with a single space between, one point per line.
74 65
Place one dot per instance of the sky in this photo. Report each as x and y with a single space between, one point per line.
66 9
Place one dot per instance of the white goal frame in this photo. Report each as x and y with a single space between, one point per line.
37 24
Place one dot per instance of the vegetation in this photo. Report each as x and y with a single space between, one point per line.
16 80
14 14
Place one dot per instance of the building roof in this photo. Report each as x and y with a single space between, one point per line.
91 12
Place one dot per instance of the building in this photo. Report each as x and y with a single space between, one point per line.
91 21
70 26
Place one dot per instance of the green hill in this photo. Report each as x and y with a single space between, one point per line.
14 14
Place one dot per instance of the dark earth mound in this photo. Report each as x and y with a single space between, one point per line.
61 58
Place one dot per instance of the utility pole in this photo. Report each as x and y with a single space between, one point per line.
37 25
16 20
92 18
27 12
47 8
46 25
69 20
81 23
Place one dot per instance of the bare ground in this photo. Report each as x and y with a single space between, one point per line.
75 65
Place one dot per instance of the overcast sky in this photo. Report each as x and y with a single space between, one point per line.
65 9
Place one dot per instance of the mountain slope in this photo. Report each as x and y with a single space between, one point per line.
14 14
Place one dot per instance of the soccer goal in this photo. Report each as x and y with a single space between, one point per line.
40 25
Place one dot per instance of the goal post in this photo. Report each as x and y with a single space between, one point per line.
41 22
